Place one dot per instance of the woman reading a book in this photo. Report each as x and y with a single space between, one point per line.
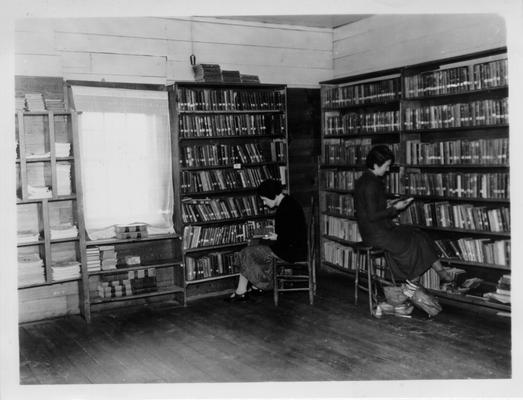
411 251
288 242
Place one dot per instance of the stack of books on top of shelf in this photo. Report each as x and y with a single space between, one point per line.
30 269
207 73
27 237
107 257
64 270
249 78
502 293
63 179
64 231
231 76
39 192
20 103
93 259
35 101
62 149
56 105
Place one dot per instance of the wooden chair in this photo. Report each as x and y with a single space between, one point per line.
298 276
365 257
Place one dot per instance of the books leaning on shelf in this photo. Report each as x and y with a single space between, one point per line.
63 231
210 265
30 269
503 290
477 113
457 184
485 251
220 125
481 151
362 93
65 270
213 209
460 216
341 228
206 99
485 75
229 179
198 236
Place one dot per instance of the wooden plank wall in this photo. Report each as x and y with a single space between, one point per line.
157 50
389 41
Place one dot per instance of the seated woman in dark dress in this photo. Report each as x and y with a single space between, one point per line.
412 251
289 242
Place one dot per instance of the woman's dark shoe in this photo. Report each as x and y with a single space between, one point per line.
237 298
254 291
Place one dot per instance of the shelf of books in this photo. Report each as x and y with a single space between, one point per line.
357 113
453 155
227 138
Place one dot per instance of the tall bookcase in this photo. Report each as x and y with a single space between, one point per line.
51 234
227 138
453 158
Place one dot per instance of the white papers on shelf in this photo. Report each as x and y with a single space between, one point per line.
63 179
64 231
35 101
33 156
103 233
30 269
27 237
65 270
62 149
158 230
39 192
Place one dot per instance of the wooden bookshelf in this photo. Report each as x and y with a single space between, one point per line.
453 122
226 138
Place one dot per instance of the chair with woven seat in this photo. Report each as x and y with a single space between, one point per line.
298 276
365 256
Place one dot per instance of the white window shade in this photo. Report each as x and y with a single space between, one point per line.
125 150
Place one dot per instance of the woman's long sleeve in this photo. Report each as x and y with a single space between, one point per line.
374 209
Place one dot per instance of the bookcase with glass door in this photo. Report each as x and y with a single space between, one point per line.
227 138
453 156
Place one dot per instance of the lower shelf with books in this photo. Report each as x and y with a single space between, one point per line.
164 291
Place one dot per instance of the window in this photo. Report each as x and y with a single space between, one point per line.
125 154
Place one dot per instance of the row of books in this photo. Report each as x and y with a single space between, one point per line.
134 282
340 255
210 265
201 236
476 250
346 152
460 216
458 80
202 99
201 210
345 180
191 125
230 179
351 151
341 228
224 154
457 184
362 93
489 112
480 151
356 123
342 204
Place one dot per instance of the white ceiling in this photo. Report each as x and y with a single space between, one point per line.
316 21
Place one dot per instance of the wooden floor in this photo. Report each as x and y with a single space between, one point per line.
213 341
